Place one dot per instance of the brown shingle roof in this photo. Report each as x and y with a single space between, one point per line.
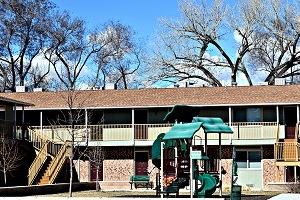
205 96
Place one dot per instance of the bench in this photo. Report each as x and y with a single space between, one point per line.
140 181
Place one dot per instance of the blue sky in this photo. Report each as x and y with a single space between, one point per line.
141 15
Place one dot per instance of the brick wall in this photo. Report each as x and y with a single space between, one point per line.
119 165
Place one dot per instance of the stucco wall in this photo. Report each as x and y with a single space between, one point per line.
117 170
82 170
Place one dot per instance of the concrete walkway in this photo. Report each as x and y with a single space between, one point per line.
92 198
286 197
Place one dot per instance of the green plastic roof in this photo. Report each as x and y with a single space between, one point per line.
182 131
213 125
187 131
156 146
182 113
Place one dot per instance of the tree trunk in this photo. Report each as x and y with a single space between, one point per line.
4 174
97 179
71 176
71 156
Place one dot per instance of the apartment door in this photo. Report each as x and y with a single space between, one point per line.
141 163
290 119
140 120
94 172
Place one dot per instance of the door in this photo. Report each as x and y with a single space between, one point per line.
94 172
290 119
140 129
141 163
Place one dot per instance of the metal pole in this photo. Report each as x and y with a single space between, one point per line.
161 168
220 163
191 174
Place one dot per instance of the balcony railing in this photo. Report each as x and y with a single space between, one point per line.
149 132
287 151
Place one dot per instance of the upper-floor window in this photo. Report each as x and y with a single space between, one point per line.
248 159
247 114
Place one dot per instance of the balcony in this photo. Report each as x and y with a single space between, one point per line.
149 132
287 153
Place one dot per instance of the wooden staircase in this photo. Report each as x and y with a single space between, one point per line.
287 153
49 161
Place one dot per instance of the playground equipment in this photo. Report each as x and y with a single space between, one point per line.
182 158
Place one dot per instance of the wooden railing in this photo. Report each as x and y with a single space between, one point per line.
37 163
287 151
128 132
58 161
45 148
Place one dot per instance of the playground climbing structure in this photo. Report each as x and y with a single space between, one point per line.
181 155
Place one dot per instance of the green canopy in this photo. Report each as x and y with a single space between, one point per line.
213 125
182 113
187 131
182 131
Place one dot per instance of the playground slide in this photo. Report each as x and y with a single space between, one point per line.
156 150
208 185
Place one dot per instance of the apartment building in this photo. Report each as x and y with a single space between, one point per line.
125 124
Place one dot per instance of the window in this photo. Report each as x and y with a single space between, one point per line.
253 114
248 159
247 114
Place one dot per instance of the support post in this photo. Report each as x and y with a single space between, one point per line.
191 175
220 164
161 168
15 122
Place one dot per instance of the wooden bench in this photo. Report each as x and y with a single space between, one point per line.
141 181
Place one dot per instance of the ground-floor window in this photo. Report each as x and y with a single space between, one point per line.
248 159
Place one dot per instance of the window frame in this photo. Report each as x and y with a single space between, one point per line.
248 167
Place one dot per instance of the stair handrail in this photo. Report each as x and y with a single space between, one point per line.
58 161
37 163
45 145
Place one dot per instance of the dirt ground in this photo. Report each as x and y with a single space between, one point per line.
250 195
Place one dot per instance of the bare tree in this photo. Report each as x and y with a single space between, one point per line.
10 157
276 52
119 58
75 114
78 54
182 51
123 66
212 42
96 156
22 36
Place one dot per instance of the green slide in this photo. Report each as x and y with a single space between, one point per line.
208 185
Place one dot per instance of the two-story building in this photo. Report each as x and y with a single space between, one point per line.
126 122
